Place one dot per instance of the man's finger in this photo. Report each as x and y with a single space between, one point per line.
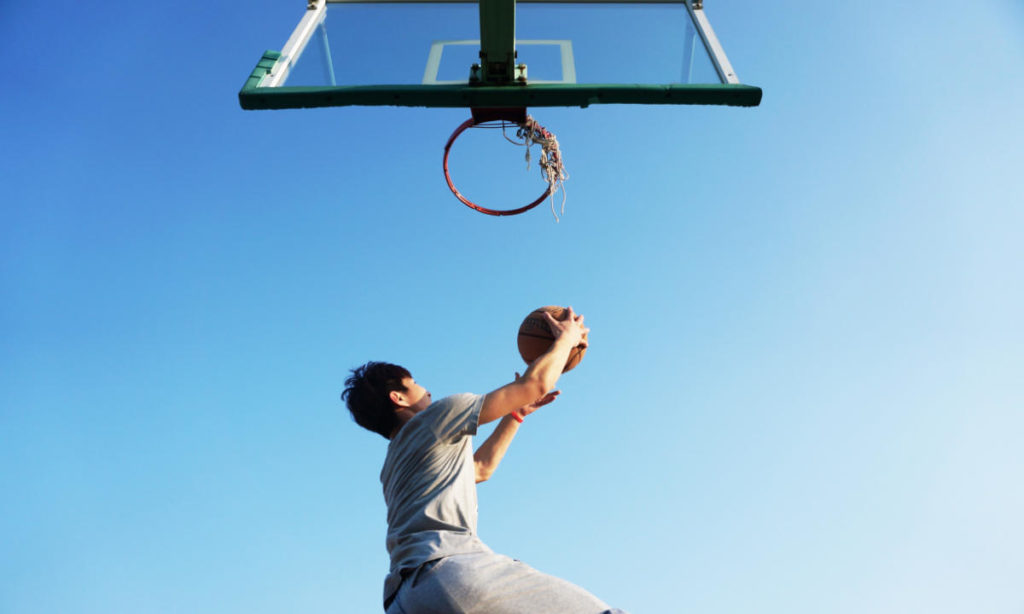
551 319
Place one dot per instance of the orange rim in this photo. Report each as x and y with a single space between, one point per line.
469 123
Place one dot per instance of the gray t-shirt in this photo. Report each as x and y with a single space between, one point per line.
430 487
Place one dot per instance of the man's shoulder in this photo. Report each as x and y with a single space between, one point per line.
462 399
451 416
443 422
441 411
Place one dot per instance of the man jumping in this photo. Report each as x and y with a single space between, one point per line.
438 564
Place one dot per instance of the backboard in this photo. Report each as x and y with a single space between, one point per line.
498 53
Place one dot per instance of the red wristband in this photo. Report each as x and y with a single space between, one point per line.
516 415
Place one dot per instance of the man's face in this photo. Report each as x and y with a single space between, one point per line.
415 395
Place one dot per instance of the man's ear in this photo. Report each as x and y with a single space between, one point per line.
398 398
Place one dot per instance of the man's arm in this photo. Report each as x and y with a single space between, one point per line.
488 456
492 450
542 375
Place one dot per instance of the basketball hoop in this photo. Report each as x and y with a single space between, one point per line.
531 132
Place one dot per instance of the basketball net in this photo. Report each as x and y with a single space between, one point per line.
551 167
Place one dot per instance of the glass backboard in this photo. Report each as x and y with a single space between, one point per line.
565 54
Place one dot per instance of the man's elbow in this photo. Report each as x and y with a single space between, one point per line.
535 389
483 472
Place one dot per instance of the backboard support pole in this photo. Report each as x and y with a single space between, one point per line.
311 19
497 42
707 35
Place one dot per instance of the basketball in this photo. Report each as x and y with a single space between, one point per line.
535 337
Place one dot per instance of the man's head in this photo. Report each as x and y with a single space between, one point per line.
381 396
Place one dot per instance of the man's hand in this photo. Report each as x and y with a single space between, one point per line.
543 373
571 328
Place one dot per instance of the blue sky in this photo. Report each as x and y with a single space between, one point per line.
803 394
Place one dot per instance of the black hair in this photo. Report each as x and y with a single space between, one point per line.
367 395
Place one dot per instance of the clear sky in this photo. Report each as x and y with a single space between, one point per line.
804 392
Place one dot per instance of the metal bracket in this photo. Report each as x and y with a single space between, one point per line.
477 78
521 74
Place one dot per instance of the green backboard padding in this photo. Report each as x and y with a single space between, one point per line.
539 95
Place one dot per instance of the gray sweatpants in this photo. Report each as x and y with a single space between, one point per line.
486 583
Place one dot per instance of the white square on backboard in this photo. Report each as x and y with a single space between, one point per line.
437 48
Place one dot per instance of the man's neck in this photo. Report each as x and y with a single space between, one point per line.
404 415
